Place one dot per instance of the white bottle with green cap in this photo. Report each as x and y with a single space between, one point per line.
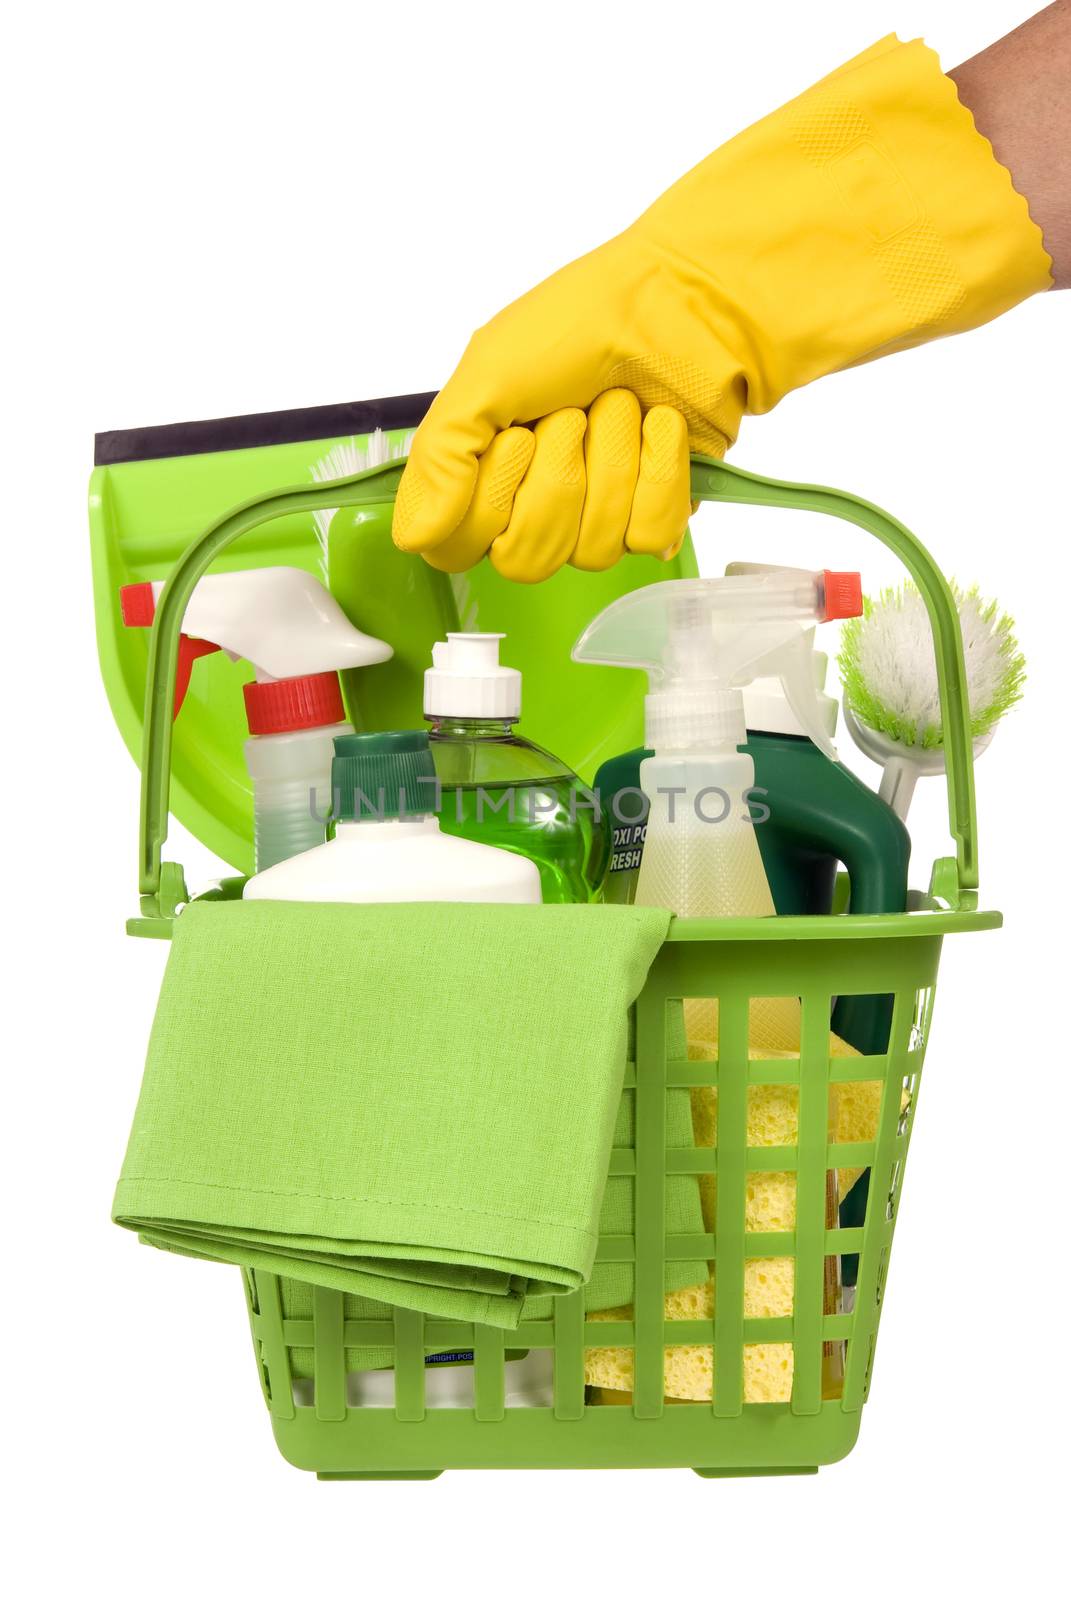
387 844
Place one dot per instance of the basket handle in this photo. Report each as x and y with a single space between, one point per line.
716 480
161 884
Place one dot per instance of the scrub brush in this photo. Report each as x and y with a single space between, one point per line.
357 454
891 701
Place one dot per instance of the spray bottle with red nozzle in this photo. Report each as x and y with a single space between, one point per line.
692 844
297 639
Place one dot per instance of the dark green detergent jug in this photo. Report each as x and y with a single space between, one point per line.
811 815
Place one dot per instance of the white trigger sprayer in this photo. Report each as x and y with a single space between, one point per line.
297 638
701 641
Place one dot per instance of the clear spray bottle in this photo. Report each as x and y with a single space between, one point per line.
701 641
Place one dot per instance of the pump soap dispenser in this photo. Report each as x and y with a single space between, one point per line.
499 788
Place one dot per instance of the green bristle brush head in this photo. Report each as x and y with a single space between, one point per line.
889 671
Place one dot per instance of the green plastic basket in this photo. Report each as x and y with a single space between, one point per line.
733 960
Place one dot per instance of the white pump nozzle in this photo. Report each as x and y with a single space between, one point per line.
466 679
701 640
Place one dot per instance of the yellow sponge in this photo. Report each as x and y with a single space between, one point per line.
772 1120
689 1368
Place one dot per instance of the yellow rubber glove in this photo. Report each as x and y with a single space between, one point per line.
865 216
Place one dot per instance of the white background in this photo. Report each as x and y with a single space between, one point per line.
218 209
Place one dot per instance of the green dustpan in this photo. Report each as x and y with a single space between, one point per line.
153 489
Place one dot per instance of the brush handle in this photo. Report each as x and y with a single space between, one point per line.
898 785
711 480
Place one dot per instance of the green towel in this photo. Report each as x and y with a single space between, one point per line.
414 1102
612 1283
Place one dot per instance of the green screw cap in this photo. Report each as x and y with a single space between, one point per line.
381 775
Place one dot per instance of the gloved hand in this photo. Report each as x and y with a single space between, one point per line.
863 217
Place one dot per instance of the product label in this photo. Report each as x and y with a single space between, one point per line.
628 846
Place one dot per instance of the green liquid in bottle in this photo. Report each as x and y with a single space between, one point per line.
502 790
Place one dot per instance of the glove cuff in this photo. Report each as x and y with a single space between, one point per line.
865 216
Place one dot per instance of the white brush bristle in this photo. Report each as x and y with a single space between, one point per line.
343 461
896 657
892 678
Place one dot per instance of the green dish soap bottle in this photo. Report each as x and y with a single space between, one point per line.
499 788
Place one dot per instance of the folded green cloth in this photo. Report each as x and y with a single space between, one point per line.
414 1103
612 1283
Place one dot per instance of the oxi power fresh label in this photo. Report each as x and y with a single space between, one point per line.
619 886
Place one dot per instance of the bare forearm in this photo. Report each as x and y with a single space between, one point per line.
1019 91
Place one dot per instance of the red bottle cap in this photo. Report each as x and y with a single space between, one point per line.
138 605
289 704
844 595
